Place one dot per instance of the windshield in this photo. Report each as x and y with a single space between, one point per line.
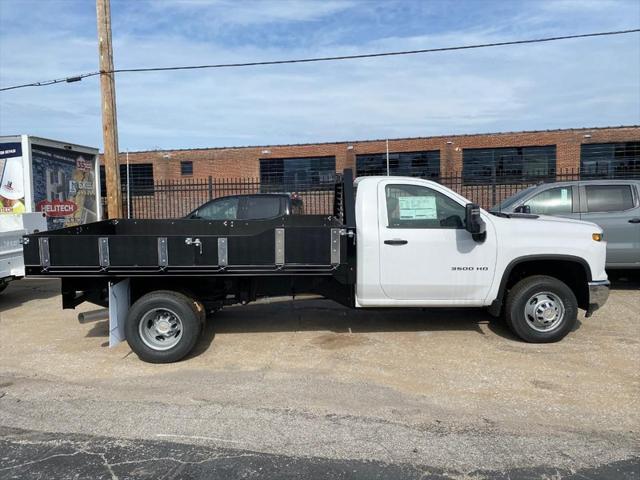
509 202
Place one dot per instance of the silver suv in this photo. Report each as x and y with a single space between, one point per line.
612 204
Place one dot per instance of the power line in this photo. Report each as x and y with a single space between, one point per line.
44 83
318 59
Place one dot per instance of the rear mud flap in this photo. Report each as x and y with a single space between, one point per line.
119 302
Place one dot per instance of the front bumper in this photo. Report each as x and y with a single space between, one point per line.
598 295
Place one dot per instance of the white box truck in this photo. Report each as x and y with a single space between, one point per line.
44 185
12 228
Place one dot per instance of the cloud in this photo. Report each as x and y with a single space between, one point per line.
573 6
589 82
251 12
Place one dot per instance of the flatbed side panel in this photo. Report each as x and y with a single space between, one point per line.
308 245
133 250
180 253
189 226
297 245
30 250
71 250
103 228
252 250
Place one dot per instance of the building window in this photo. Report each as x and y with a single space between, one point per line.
296 174
408 164
140 176
186 168
610 160
508 165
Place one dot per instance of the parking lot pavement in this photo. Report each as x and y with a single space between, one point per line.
308 386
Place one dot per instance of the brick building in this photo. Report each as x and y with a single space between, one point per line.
608 151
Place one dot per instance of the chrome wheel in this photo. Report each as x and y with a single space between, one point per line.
160 329
544 311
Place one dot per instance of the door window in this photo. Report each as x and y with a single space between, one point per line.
256 208
555 201
414 206
223 209
609 198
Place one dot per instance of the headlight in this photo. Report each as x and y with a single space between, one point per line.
597 236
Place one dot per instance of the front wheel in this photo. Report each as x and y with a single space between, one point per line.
163 326
541 309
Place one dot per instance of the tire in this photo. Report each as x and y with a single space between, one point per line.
163 326
541 309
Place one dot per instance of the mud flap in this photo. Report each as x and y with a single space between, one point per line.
119 302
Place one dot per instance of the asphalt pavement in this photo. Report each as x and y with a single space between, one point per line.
308 389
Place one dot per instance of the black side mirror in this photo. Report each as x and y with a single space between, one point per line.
522 209
473 222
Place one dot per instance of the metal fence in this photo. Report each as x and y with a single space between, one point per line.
177 198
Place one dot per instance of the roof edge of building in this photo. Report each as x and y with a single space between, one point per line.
311 144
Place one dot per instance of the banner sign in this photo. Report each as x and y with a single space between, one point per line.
11 178
64 186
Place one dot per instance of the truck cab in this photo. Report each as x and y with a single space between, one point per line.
416 248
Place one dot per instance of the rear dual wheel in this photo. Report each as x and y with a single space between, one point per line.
164 326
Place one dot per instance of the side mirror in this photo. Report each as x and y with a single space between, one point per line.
473 222
522 209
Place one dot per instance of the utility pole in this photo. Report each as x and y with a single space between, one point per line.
387 157
108 99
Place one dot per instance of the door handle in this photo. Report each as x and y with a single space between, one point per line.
634 220
396 241
195 243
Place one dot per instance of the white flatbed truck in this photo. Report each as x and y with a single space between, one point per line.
398 243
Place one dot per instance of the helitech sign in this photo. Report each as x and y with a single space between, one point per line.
57 208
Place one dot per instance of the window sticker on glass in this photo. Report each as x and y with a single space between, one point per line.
564 194
418 208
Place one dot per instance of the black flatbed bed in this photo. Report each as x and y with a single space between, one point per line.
200 254
288 244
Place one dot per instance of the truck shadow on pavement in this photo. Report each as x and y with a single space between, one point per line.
322 315
624 279
24 291
325 315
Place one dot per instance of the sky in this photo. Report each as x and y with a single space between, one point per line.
592 82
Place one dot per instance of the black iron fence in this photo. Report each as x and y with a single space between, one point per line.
176 198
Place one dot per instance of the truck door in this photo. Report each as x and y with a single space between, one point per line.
614 208
425 252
